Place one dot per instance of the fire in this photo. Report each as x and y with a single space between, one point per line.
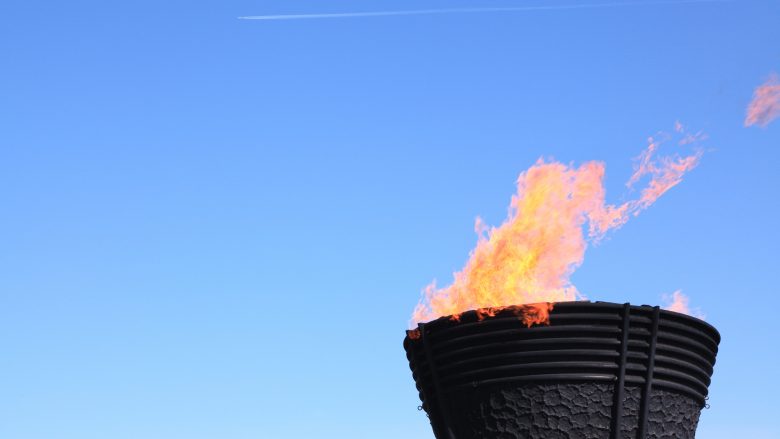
530 258
678 302
765 106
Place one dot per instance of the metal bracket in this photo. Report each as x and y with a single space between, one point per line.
644 407
443 412
620 384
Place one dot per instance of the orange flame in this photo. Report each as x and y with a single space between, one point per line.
678 302
765 106
531 314
529 259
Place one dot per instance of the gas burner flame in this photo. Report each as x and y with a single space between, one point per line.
529 259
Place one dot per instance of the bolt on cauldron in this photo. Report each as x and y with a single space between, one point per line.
597 370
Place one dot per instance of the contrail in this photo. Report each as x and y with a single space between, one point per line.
471 10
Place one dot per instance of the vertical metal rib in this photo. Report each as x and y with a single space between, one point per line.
620 384
442 411
645 403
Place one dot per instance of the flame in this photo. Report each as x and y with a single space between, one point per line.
679 302
529 259
765 106
531 314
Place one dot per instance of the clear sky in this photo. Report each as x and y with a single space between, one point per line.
218 228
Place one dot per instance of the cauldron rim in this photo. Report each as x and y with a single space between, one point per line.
472 315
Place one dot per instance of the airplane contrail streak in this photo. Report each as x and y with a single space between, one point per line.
471 10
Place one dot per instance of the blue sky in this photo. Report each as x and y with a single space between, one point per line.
216 227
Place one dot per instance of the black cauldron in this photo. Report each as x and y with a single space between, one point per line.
597 371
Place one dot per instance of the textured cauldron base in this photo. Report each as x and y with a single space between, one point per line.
567 411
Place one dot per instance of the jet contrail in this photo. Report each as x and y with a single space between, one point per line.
471 10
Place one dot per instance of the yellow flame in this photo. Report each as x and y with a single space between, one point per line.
529 258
